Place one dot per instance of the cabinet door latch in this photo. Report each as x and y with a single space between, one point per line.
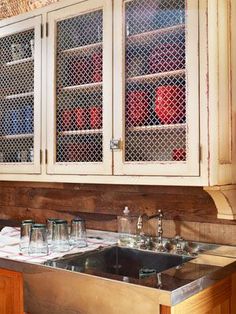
115 144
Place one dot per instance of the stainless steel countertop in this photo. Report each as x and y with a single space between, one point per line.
51 290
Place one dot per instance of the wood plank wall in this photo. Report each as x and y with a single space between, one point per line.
188 211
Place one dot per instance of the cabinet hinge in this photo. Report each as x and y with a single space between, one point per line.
47 29
41 30
46 156
41 156
115 144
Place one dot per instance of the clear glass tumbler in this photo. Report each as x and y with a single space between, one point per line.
78 237
38 244
60 236
50 222
25 235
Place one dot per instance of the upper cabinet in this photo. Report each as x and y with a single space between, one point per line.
133 92
20 97
80 89
156 95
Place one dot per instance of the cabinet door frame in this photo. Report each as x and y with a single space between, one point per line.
192 166
31 23
83 168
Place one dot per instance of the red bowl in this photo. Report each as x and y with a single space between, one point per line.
170 104
137 108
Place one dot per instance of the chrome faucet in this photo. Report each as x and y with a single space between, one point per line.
140 232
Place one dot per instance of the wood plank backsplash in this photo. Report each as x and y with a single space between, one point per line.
188 211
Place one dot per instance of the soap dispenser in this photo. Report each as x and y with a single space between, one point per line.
126 238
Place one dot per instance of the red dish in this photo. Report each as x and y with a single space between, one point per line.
79 118
170 104
96 117
137 108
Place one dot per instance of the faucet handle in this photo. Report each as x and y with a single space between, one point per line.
140 222
179 242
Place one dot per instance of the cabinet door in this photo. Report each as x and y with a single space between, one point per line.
20 90
156 101
11 292
80 88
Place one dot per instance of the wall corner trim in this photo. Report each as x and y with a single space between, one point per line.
224 197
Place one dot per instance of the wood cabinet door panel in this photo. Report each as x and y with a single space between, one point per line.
11 292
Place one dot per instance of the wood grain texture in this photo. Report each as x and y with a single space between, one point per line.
165 309
213 300
188 211
11 292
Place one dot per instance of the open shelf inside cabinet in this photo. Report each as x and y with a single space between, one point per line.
153 128
16 136
83 86
80 132
85 48
154 77
20 61
146 36
19 95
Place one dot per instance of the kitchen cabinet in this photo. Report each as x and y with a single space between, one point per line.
20 97
159 136
11 292
133 92
218 298
155 77
80 89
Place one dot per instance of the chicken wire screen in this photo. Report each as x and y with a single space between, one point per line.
17 98
79 108
155 106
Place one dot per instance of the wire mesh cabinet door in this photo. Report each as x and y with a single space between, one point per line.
156 87
80 89
20 100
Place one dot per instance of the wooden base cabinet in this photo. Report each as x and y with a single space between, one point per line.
11 292
217 299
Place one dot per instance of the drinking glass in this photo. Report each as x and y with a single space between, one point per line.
38 244
25 235
60 236
50 222
78 235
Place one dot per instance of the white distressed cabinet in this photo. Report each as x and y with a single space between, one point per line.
20 96
133 92
79 121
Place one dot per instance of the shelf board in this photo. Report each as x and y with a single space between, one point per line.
20 61
151 128
143 36
15 136
155 76
19 95
82 48
80 132
84 86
